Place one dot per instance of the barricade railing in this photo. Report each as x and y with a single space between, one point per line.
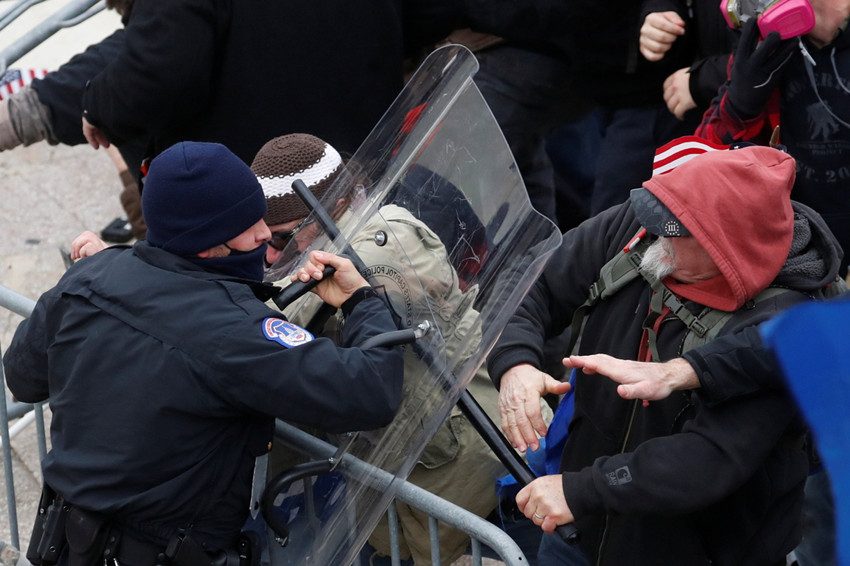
69 15
21 412
437 508
480 531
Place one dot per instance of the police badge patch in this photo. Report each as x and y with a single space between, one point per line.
285 333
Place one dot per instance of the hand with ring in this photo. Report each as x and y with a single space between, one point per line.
544 503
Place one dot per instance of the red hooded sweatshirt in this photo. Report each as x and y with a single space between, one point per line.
737 205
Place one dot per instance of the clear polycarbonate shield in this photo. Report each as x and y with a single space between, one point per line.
433 206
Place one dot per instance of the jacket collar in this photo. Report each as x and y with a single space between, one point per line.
162 259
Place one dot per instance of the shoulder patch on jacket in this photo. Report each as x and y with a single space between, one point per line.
285 333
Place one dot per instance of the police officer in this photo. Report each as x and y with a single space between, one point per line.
165 370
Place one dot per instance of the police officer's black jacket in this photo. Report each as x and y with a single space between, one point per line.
684 481
164 380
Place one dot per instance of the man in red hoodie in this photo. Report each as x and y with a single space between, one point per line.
683 481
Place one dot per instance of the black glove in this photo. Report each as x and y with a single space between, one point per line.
757 69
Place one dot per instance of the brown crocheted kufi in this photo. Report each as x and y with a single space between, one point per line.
287 158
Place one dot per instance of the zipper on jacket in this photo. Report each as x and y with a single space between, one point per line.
623 444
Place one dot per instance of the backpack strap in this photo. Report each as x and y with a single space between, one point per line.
703 327
698 325
614 275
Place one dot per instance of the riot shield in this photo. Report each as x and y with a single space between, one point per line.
434 209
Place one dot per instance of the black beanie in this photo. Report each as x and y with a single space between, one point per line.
199 195
287 158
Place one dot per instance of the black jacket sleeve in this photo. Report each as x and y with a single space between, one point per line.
734 365
163 73
706 77
334 388
62 90
737 363
25 361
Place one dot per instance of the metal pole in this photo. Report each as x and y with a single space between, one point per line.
71 14
9 15
15 302
7 466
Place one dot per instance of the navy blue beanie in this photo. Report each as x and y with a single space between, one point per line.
199 195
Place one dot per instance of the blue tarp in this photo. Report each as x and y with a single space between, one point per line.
812 344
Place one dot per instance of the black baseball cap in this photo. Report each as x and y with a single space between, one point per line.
655 216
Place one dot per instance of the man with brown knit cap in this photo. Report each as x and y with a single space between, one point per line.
277 165
456 464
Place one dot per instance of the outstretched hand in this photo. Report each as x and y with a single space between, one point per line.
649 381
520 391
336 289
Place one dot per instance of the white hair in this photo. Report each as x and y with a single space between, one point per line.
659 260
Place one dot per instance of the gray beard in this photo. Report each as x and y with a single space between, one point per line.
659 260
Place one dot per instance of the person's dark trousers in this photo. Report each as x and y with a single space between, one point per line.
529 94
630 138
555 551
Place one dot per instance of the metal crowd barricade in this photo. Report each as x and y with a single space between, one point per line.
438 509
24 413
69 15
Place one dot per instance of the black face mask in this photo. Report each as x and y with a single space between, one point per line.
245 265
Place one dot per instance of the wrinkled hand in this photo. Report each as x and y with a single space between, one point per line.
520 391
544 497
677 93
658 33
649 381
757 69
94 135
86 244
337 289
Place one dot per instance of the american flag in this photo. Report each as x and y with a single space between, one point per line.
14 80
681 150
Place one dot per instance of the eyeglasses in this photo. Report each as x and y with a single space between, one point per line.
279 239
